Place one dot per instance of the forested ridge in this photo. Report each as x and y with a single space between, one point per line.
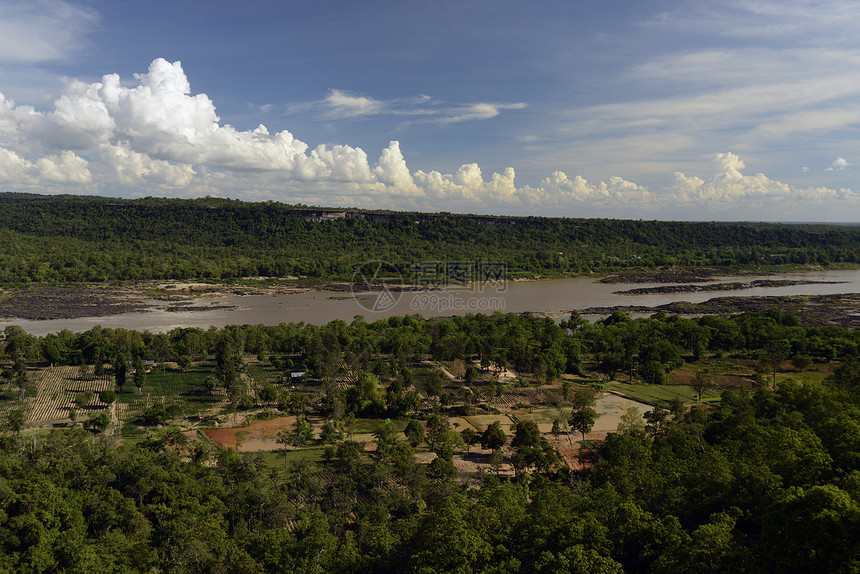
71 238
767 479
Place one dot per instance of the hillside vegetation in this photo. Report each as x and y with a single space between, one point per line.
72 239
409 447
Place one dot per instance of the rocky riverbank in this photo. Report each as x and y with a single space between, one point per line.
840 309
670 276
44 302
41 303
733 286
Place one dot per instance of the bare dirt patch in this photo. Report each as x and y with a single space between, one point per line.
259 435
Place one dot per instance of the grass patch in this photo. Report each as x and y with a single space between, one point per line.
802 376
131 430
363 425
174 382
263 373
312 454
659 394
481 422
184 389
275 458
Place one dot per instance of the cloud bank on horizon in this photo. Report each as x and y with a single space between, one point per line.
155 137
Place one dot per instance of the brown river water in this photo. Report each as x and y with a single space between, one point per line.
555 296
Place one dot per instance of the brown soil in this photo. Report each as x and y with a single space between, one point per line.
259 435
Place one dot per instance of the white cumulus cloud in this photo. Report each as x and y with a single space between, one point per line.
153 136
728 186
131 168
15 169
393 171
63 168
559 189
838 164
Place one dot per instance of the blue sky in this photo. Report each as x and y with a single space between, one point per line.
716 110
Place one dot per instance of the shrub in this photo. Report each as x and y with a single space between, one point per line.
155 415
99 423
107 397
268 394
801 362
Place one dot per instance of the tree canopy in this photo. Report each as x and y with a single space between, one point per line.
71 238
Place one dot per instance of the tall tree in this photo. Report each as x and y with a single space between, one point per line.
19 367
531 448
15 420
285 438
303 433
701 383
120 371
582 420
437 426
139 375
386 434
583 415
494 437
414 433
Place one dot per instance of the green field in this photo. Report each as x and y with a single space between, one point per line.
184 389
659 394
275 459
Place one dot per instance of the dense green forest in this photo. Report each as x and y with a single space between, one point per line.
618 345
767 479
764 477
69 238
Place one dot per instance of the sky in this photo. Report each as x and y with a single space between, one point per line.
679 110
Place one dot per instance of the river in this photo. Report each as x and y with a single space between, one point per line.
554 296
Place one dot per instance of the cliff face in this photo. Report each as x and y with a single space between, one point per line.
320 214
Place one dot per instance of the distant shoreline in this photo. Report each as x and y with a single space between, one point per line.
73 301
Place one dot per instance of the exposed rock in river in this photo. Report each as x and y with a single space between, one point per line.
733 286
840 309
